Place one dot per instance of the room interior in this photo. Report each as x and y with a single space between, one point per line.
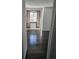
36 28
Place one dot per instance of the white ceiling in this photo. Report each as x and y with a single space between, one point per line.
39 3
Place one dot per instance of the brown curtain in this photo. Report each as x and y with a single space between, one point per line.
28 18
38 18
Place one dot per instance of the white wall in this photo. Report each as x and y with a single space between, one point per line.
47 18
39 3
24 36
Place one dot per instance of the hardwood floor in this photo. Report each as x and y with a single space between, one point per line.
37 49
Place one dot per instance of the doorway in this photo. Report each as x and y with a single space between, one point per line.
36 41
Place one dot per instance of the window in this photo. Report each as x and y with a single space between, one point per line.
33 25
33 19
33 16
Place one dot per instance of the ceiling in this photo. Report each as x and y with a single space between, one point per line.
39 3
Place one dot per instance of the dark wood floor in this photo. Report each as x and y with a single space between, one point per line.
37 50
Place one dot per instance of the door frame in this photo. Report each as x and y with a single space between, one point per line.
51 31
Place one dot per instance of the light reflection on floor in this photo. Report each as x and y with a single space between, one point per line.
33 38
